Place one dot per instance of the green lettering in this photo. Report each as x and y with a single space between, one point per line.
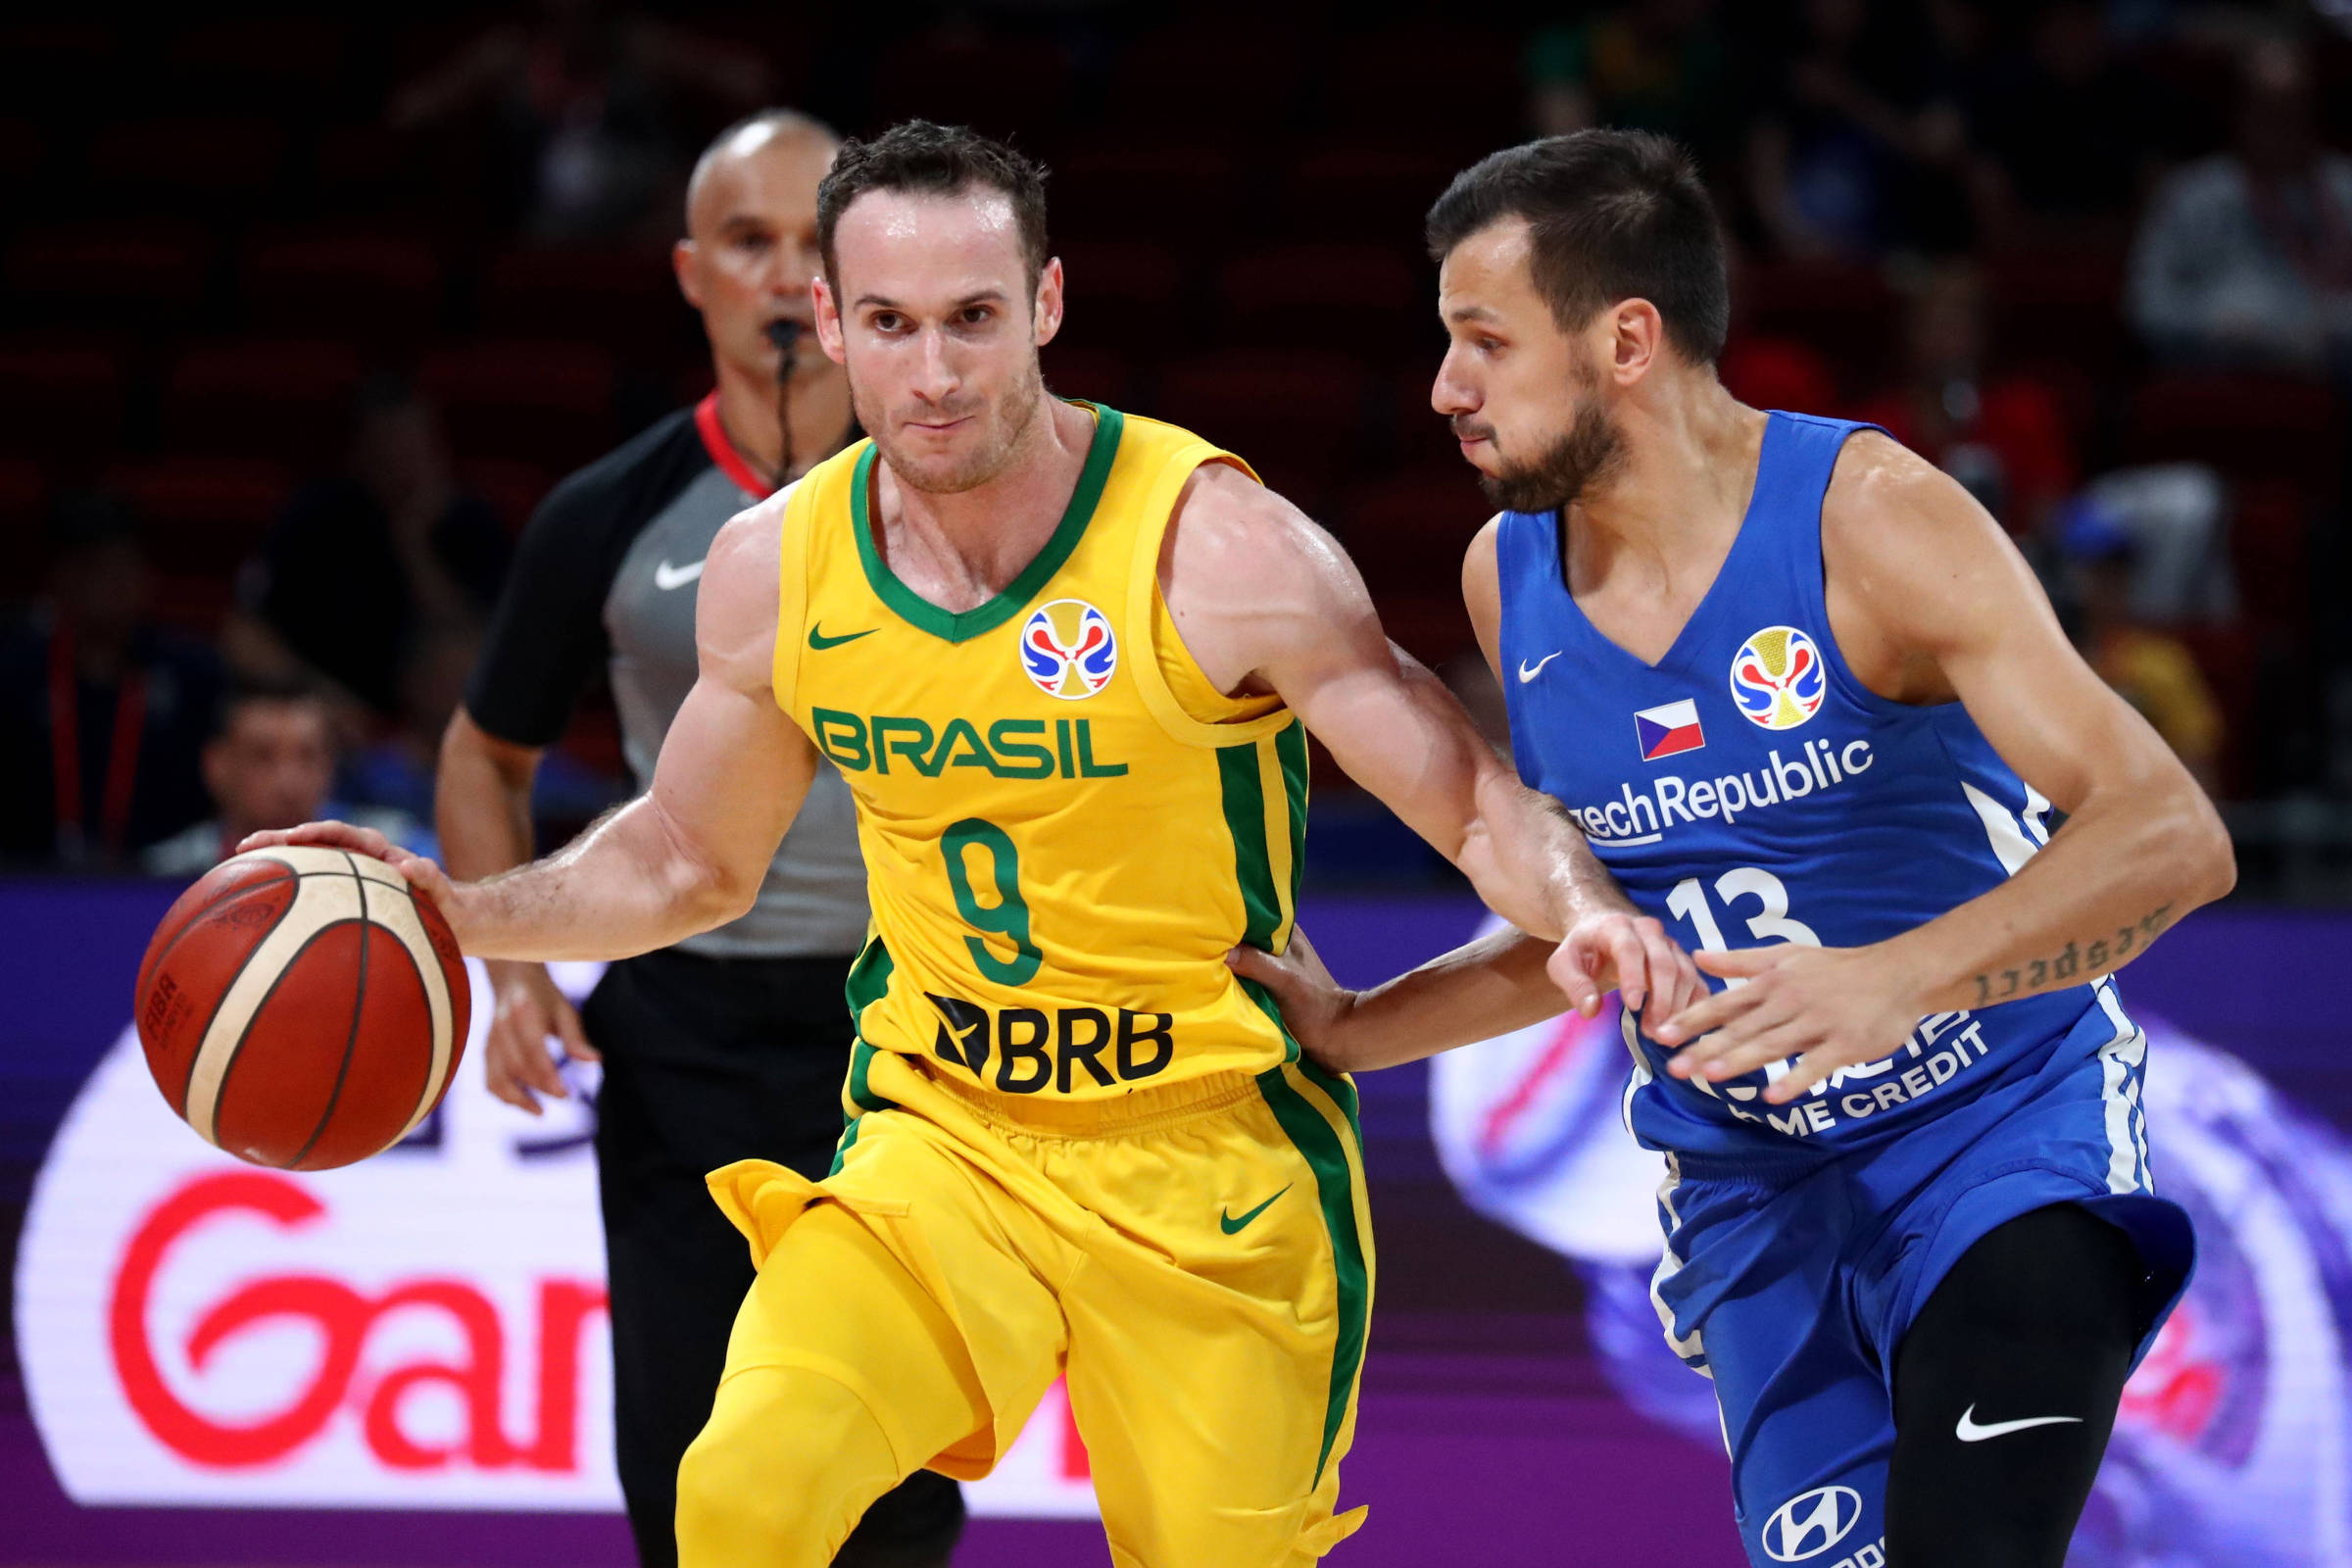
1061 733
975 754
841 737
914 749
1087 767
1039 762
1008 917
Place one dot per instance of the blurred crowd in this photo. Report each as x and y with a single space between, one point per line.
299 317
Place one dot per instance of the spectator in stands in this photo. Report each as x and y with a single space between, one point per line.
102 713
365 566
584 105
2246 257
2153 671
2002 436
1855 150
2070 132
1662 65
270 764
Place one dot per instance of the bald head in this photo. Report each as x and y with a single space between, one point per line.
784 140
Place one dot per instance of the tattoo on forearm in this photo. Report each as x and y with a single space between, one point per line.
2086 961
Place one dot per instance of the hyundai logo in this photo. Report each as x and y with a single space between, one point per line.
1811 1523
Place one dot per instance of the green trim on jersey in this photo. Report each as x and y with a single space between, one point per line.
869 979
961 625
1264 903
1335 1188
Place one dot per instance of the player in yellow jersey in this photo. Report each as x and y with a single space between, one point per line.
1062 657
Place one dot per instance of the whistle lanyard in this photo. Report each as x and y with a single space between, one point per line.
65 751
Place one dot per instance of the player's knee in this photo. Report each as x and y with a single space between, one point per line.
781 1475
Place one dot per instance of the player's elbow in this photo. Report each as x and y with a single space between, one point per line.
2196 845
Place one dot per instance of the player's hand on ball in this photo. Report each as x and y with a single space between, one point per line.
422 874
1314 1005
1629 954
515 1064
1824 1007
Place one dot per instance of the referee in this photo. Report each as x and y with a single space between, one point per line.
732 1044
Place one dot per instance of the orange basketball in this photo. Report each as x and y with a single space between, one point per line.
303 1007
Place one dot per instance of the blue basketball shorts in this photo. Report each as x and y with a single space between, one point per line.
1793 1293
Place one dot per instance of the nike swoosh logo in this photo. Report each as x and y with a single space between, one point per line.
818 639
1527 674
1230 1225
667 576
1969 1432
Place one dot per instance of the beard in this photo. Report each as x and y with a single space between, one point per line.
1586 453
1005 419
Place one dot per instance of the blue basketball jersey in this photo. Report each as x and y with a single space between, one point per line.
1748 788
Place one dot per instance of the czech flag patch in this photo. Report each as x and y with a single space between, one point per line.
1669 730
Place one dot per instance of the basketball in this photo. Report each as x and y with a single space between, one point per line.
302 1008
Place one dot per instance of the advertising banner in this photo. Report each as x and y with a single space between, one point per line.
422 1330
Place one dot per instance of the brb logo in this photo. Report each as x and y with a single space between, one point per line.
1777 678
1811 1523
1067 649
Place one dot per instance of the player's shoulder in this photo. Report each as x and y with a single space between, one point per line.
1888 506
1235 529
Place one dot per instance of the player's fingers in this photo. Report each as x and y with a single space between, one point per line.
1766 1041
1631 964
1666 967
324 835
1809 1069
501 1082
520 1035
1740 962
1572 971
1706 1016
570 1031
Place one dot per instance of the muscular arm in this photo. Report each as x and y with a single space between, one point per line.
687 854
1266 601
1930 603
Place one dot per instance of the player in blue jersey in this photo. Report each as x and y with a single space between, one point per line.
1813 711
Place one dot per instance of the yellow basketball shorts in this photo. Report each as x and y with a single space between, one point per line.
1196 1260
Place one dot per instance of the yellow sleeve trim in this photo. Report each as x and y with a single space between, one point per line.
1146 610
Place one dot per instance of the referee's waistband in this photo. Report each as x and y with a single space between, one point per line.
1136 1111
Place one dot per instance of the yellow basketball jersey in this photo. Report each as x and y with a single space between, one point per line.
1060 843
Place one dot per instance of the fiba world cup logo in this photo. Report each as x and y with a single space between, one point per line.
1067 649
1777 678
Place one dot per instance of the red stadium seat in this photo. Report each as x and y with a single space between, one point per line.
1124 292
512 488
2249 426
1296 417
1372 191
1407 532
1843 312
2269 551
1098 375
23 497
284 399
203 514
2060 308
996 86
1181 195
1778 373
369 286
190 161
62 396
109 270
1449 88
627 300
549 403
1198 65
285 57
1323 296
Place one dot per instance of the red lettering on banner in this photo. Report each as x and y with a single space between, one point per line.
343 1317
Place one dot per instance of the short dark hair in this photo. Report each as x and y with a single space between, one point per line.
1613 215
928 158
248 689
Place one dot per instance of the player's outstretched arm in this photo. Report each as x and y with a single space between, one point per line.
1930 602
1267 601
690 853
